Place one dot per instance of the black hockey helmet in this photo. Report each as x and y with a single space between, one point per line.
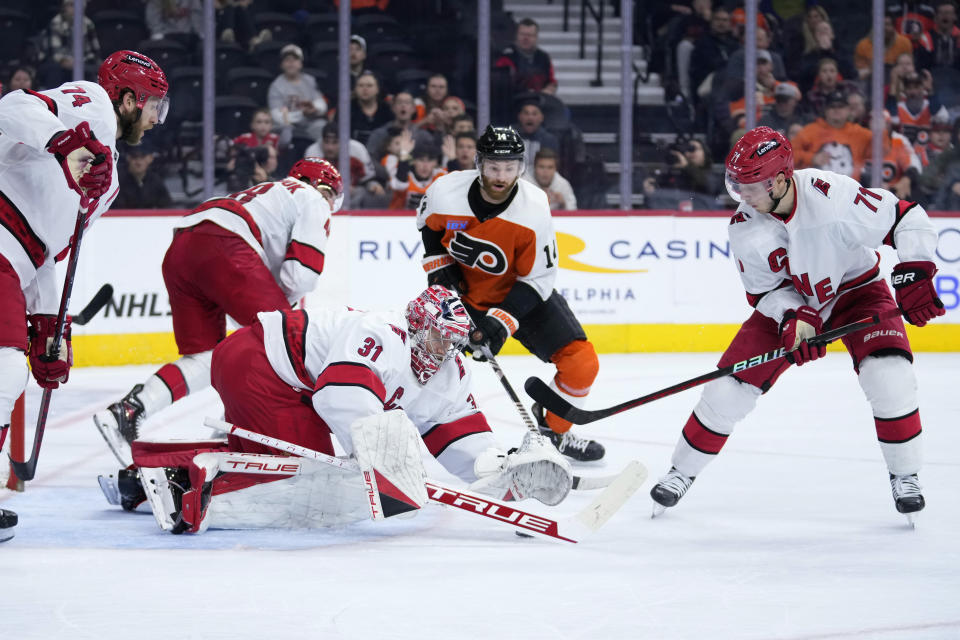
499 143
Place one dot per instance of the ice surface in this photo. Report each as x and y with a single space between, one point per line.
790 534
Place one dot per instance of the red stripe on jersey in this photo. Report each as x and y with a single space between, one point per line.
233 207
701 438
753 299
352 374
171 376
862 279
442 436
295 340
51 105
310 257
14 221
903 206
895 430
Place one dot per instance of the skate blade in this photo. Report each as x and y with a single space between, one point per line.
110 488
119 446
7 533
911 519
658 509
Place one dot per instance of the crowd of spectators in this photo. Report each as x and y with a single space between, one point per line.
413 114
814 65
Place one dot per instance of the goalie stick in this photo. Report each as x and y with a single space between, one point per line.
27 469
580 483
571 529
539 391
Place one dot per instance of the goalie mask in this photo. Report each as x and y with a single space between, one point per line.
321 175
439 328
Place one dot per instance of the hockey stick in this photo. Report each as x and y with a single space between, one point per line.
99 300
580 483
539 391
571 529
27 469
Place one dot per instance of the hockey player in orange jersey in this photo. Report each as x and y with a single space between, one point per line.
489 235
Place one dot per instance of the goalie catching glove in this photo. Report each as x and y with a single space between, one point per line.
86 162
535 470
797 327
916 296
48 369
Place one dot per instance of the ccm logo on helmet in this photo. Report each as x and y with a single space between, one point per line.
770 145
478 254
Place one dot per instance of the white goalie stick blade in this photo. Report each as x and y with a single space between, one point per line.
570 529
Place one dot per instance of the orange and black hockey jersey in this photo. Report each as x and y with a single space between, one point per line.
519 244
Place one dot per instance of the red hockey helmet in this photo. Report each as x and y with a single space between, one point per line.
758 157
131 70
439 327
318 172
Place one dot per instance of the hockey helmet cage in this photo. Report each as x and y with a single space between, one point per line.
126 69
439 328
318 173
758 157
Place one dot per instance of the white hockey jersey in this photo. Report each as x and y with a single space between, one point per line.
519 244
357 364
286 222
40 213
827 245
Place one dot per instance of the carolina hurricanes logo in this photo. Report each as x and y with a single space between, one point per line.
477 254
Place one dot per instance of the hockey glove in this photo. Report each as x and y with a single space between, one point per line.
443 270
86 162
49 371
796 328
492 331
916 296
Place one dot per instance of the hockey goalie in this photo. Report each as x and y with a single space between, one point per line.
385 384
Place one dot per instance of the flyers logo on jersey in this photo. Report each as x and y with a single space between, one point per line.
477 254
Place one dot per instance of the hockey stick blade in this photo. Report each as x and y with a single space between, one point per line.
553 402
93 307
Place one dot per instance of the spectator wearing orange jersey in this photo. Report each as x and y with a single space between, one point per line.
894 44
898 173
833 142
411 181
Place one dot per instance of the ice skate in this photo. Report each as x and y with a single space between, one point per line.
668 491
120 423
569 444
8 524
123 489
907 496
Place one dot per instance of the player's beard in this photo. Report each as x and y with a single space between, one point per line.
131 131
487 185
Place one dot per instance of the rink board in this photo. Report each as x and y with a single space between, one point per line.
650 281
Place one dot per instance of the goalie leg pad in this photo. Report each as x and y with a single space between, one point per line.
890 386
535 470
387 447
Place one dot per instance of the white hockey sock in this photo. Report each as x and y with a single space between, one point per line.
173 381
13 380
890 386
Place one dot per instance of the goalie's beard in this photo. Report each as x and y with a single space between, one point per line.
130 130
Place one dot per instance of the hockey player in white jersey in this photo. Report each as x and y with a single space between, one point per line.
261 249
805 245
57 157
490 235
385 384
